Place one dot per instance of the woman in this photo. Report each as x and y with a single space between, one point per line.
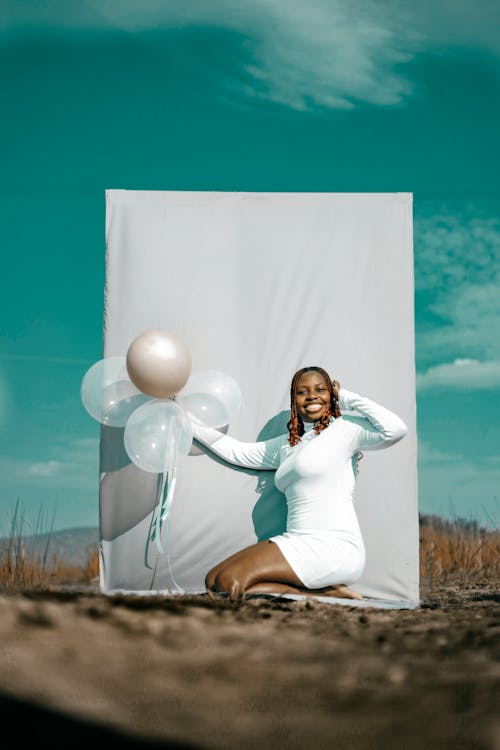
322 551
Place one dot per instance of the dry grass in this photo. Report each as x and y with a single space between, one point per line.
457 552
24 566
19 570
451 552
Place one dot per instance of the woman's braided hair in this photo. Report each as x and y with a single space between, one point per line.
295 424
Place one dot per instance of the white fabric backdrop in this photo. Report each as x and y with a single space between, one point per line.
259 285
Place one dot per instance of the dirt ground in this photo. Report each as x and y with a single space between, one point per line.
190 672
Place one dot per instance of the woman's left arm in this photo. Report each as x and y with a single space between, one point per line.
378 428
264 454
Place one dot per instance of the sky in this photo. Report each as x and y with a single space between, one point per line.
302 95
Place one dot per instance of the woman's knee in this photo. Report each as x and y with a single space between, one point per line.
229 581
221 579
210 578
217 577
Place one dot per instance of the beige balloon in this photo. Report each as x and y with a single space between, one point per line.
158 363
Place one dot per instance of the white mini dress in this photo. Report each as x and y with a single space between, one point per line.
322 543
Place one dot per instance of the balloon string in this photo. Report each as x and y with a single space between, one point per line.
163 514
159 514
170 496
168 517
166 487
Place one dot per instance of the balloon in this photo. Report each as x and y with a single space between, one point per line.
158 363
107 393
156 434
218 384
120 400
204 409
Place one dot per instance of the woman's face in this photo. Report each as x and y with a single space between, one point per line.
312 396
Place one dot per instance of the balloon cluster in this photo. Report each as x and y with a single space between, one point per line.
152 394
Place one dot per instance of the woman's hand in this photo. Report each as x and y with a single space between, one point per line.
336 388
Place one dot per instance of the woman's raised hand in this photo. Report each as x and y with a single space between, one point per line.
336 387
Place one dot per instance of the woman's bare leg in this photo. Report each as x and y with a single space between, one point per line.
244 554
263 563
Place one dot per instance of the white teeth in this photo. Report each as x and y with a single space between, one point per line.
314 407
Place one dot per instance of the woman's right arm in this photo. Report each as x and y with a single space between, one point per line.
262 455
377 428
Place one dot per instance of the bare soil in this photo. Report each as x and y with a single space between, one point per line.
189 672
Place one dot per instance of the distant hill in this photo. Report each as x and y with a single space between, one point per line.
71 545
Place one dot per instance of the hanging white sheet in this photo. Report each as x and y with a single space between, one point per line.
259 285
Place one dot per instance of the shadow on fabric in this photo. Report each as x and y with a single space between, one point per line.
270 511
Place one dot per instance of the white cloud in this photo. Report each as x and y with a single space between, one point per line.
473 312
452 250
492 460
427 455
457 262
72 465
298 53
462 374
44 468
457 23
453 22
329 55
301 53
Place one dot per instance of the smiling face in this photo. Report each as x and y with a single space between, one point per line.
312 396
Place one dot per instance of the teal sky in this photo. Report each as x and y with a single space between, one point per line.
303 95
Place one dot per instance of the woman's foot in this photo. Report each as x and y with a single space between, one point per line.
268 587
340 591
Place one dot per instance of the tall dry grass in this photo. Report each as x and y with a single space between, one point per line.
457 552
451 552
33 566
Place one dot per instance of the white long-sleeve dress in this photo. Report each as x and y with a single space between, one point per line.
322 542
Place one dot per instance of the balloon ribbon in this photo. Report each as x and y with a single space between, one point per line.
166 498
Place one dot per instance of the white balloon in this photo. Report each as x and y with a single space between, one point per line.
157 434
158 363
204 409
108 394
218 384
120 400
